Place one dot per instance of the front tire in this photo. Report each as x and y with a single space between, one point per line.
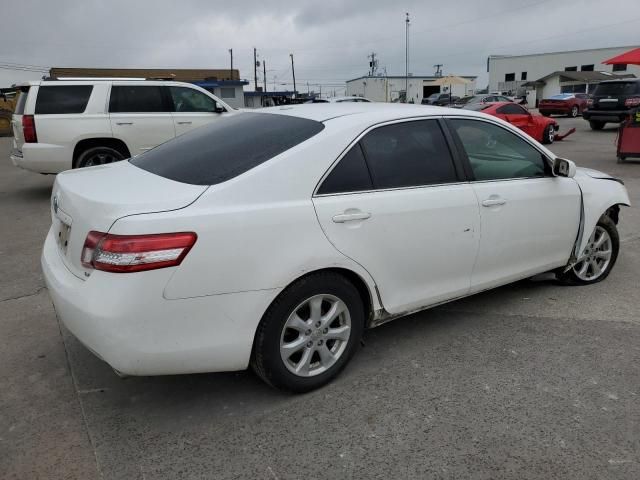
309 333
596 124
548 135
98 156
599 257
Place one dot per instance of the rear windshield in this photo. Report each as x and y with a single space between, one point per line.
227 147
562 96
618 88
62 99
22 100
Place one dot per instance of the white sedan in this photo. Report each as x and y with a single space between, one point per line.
275 238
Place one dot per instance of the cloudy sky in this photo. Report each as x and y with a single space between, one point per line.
330 39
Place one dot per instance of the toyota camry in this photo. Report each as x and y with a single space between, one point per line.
274 239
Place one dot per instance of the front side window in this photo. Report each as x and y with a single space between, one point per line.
189 100
136 99
408 154
497 154
62 99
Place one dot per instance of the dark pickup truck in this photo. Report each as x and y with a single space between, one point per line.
612 102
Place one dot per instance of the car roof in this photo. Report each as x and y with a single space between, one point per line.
363 112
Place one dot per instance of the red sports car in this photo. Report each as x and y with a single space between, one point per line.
570 104
541 128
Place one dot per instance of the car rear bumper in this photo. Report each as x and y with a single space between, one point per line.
605 115
124 320
42 158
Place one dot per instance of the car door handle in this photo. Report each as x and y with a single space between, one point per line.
351 217
184 123
492 202
124 123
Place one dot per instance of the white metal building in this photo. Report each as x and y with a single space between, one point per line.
392 88
510 72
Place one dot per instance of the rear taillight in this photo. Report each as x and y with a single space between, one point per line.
29 129
632 102
135 253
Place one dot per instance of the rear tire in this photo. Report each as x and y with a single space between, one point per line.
575 110
595 264
300 344
546 114
596 124
549 134
98 156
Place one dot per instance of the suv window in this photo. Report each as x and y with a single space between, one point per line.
512 109
190 100
617 88
216 152
350 175
408 154
62 99
136 99
495 153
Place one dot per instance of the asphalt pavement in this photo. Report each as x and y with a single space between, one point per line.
529 381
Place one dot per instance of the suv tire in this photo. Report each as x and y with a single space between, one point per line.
98 156
596 124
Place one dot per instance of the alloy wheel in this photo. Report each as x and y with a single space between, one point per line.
574 111
596 257
315 335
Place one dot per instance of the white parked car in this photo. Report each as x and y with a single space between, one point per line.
63 124
275 238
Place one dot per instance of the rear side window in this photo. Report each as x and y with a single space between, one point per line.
22 100
226 148
57 99
350 175
618 88
136 99
408 154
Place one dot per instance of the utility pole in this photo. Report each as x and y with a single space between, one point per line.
438 67
293 72
264 73
255 70
406 59
231 69
373 64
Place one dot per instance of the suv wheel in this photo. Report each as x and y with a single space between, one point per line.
596 124
98 156
309 333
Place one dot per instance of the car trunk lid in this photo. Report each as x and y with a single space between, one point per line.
94 198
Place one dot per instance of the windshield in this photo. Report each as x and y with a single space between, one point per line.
477 106
227 147
617 88
468 99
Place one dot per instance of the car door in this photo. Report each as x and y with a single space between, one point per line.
518 117
529 218
140 116
395 203
192 108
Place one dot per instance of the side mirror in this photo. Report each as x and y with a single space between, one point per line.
219 109
564 168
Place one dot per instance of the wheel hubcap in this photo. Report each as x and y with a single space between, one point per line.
596 256
100 159
315 335
574 111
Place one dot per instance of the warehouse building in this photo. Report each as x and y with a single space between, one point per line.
392 88
510 73
223 83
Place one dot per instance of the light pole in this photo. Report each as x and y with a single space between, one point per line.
406 58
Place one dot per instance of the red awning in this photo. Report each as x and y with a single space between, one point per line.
632 57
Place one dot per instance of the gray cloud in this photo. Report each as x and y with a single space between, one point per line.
330 39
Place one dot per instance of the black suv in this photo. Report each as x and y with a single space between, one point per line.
612 101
